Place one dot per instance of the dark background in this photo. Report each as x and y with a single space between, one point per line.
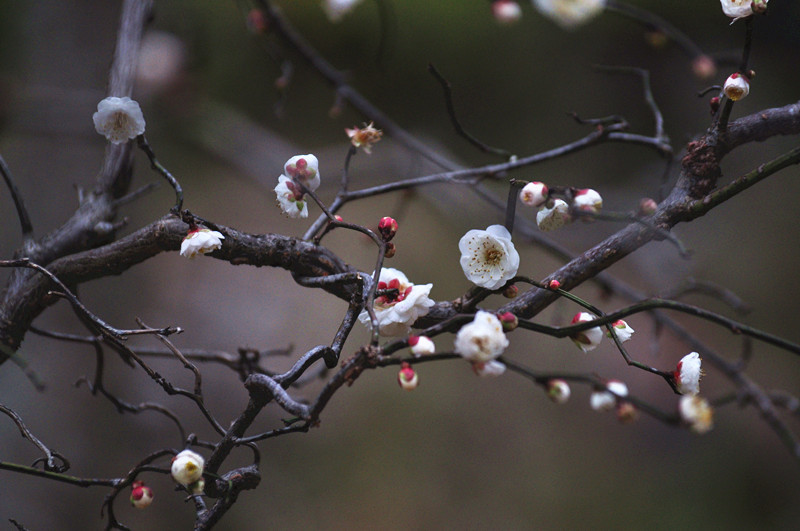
459 452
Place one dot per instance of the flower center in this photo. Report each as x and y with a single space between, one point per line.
493 256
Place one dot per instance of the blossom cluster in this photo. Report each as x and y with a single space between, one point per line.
300 169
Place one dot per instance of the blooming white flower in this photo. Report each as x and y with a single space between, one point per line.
481 340
570 13
407 377
605 400
553 217
586 340
398 310
737 9
290 198
558 391
697 413
336 9
187 467
688 373
506 11
489 368
141 495
736 86
488 257
201 241
533 194
118 119
588 200
421 345
304 169
623 331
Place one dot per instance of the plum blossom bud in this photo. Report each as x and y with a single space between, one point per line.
627 413
586 340
688 373
187 467
304 169
736 87
421 345
647 207
623 331
558 391
703 67
713 104
570 13
141 495
506 11
481 340
511 292
554 217
554 284
388 228
588 200
257 21
509 321
365 137
118 119
534 194
697 413
488 257
606 400
407 377
488 368
391 250
200 241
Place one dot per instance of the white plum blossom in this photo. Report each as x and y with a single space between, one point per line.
588 200
533 194
482 340
290 198
201 241
623 330
488 257
558 391
336 9
421 345
554 217
570 13
736 87
304 169
697 413
688 373
737 9
187 467
489 368
398 309
606 400
118 119
586 340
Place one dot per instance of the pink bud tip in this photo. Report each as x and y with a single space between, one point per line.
413 340
554 285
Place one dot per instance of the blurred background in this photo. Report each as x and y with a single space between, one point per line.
459 452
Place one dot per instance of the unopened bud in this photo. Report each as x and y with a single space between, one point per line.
509 321
141 495
421 345
506 11
627 413
407 377
511 291
388 228
703 67
390 250
714 104
554 285
647 207
558 391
